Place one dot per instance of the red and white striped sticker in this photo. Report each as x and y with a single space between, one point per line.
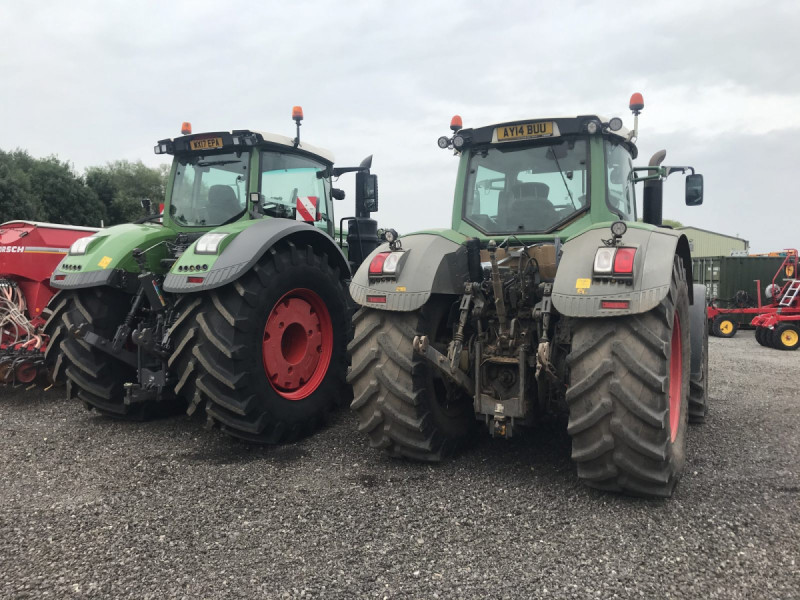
306 209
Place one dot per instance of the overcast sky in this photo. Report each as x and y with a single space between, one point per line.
93 82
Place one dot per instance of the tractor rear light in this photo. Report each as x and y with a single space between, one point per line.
385 264
604 260
80 246
623 261
390 264
377 299
609 261
615 304
59 277
195 279
376 265
209 243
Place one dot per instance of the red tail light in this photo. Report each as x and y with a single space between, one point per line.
376 265
623 261
619 304
195 279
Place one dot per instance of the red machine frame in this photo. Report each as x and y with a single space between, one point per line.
29 252
776 308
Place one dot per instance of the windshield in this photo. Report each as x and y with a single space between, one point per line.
209 190
530 189
285 178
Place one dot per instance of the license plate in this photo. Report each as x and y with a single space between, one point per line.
524 131
206 143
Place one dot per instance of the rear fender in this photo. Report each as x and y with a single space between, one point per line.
577 294
109 260
245 249
432 264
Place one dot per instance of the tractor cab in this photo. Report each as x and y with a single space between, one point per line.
219 178
546 178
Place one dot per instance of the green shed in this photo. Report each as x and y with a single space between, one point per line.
705 243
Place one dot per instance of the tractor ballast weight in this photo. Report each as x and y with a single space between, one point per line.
545 299
233 301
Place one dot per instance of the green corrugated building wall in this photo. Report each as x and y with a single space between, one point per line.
708 243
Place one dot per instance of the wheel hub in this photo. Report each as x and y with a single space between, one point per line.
789 338
297 344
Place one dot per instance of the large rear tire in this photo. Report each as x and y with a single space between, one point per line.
403 405
266 355
628 396
93 376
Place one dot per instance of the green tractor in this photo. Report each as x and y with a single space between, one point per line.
233 300
546 298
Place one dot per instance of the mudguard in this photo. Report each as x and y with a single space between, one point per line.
577 294
433 264
250 240
108 259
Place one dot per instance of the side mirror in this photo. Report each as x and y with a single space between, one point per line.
366 192
147 205
694 190
337 194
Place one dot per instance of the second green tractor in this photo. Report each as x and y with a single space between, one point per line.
546 298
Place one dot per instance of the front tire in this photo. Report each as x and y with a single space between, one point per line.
266 355
628 396
403 405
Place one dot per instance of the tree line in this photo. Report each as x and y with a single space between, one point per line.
50 190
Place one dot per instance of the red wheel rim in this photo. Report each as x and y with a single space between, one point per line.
26 372
675 380
298 344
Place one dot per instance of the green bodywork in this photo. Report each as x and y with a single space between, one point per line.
599 216
111 250
578 229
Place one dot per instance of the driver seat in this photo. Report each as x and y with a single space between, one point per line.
222 204
530 209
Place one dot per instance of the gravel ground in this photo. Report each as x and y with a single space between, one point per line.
91 507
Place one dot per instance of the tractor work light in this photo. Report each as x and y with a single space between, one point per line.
618 228
612 261
443 142
615 124
591 127
458 142
79 247
209 243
